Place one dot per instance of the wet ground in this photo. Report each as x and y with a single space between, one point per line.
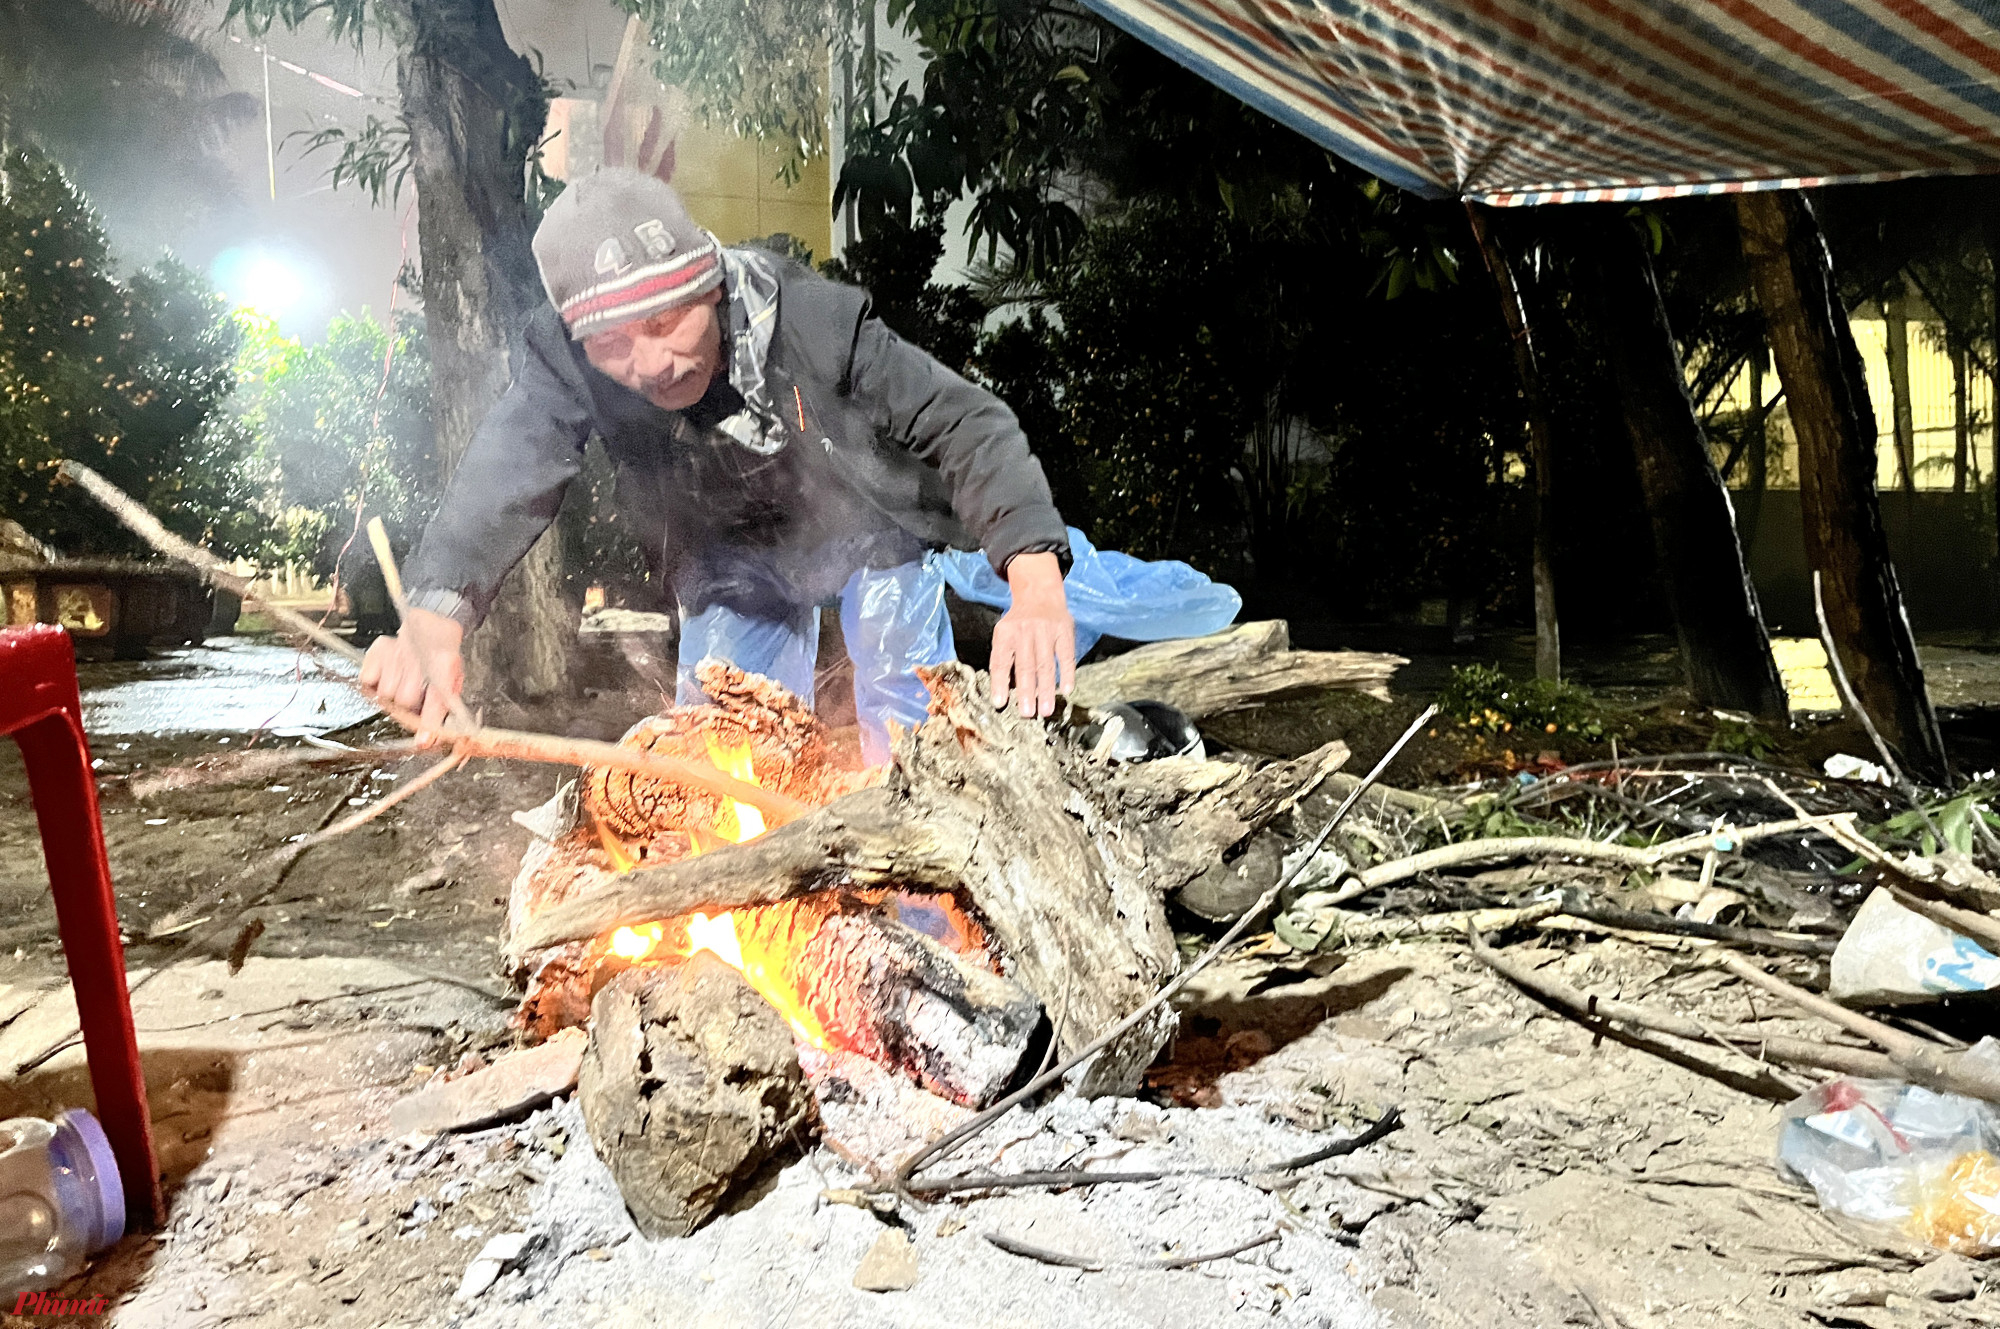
227 685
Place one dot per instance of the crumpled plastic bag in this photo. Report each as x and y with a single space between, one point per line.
1901 1156
1110 594
1891 955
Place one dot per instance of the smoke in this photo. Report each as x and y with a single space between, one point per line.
128 96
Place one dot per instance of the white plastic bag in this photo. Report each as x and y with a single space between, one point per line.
1891 956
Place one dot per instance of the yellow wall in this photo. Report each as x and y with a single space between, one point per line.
732 187
730 184
1932 410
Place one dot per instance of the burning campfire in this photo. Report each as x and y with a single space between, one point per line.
849 969
906 949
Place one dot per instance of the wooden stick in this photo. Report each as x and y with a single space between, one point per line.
378 540
476 741
1021 1248
1919 1060
1593 1011
255 765
1638 920
952 1139
777 808
430 775
385 558
147 527
1382 1127
1853 700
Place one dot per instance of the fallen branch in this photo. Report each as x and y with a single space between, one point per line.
1917 1060
1381 1127
1594 1011
176 921
857 839
1505 849
1638 920
1057 1258
1350 926
257 765
425 778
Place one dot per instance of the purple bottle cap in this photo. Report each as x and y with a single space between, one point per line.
97 1167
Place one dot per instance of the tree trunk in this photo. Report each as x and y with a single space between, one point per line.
1722 638
1961 423
1896 343
1759 454
1990 226
1541 444
1827 394
475 108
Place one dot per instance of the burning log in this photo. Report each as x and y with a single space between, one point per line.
690 1085
873 986
1066 860
755 730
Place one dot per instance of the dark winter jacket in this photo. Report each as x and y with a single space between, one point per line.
872 425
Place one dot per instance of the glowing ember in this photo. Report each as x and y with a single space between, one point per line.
718 936
738 821
636 943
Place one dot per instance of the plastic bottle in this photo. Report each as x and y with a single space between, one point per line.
61 1200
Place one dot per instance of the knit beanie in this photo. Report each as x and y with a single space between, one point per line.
619 245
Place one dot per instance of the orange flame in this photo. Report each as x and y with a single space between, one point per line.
718 937
738 821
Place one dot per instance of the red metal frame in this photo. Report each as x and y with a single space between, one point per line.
41 711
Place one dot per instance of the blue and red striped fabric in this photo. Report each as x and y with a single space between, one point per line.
1516 102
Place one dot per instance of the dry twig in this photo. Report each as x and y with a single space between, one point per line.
1041 1253
1593 1012
1918 1060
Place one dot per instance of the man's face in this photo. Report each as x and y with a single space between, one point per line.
669 358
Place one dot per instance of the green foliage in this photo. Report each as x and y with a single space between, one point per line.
124 376
1483 698
758 67
375 157
333 434
1966 816
1743 737
895 264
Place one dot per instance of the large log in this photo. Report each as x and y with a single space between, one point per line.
1246 665
689 1086
1067 860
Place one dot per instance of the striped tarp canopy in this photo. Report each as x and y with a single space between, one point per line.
1516 102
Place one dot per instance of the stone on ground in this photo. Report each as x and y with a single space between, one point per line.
510 1088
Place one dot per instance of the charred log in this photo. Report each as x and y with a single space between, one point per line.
898 998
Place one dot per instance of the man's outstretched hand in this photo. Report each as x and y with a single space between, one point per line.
419 667
1034 643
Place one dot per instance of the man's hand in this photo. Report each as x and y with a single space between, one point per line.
418 668
1034 643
